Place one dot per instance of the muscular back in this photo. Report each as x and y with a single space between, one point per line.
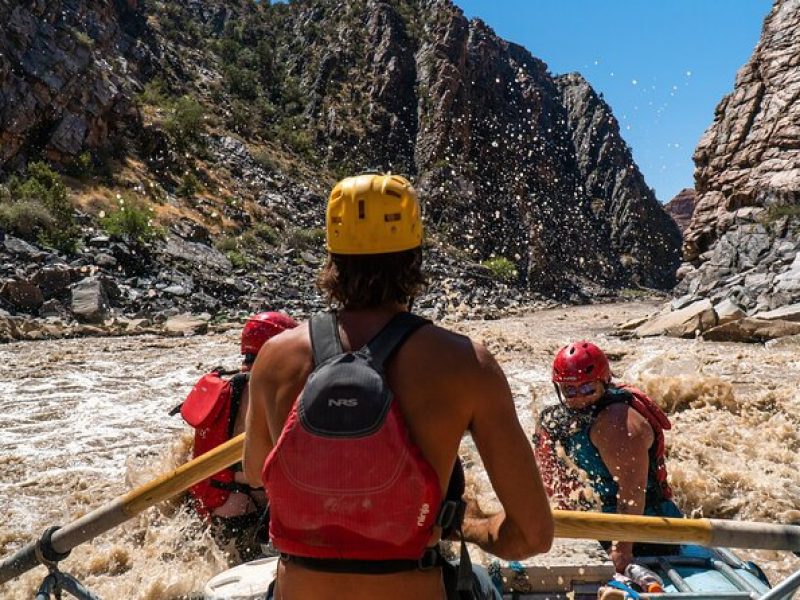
445 385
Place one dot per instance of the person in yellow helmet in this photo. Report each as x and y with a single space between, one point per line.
356 419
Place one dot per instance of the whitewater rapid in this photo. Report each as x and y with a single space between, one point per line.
82 421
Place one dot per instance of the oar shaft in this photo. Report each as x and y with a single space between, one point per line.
124 507
662 530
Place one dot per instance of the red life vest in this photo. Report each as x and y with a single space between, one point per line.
344 480
211 408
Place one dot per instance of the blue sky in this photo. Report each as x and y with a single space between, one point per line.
662 65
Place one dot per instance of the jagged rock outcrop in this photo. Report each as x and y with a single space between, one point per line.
681 207
509 160
616 188
744 237
66 72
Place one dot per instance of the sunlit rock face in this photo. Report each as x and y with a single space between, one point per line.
744 235
681 207
510 161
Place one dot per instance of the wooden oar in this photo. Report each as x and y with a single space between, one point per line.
124 507
704 532
569 524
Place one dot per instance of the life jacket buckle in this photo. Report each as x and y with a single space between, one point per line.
429 559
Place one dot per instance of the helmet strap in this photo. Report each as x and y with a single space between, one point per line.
560 396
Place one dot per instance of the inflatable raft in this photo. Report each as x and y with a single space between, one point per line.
696 573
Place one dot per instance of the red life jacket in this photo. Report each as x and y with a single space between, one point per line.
211 408
344 480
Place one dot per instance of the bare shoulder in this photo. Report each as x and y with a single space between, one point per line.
454 348
284 356
620 417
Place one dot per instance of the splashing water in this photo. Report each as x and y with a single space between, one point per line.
85 420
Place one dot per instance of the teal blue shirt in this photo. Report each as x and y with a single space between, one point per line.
573 428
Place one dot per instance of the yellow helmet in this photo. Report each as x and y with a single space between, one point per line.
373 214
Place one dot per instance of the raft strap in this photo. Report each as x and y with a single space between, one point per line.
44 551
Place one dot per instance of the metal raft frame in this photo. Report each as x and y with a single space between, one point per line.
585 586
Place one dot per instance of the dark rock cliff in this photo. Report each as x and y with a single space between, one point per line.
68 74
744 237
510 161
634 223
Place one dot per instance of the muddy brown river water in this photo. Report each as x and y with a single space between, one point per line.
82 421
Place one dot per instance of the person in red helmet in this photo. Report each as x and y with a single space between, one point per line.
614 433
216 407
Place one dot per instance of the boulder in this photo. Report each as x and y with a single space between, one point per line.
728 311
751 329
53 279
8 329
789 281
89 300
22 248
21 294
786 313
52 308
185 324
686 322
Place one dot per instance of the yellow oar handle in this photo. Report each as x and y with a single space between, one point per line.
185 476
705 532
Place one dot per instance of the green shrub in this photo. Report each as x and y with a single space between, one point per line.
238 260
83 39
265 160
240 118
186 123
154 93
46 212
290 131
501 268
227 243
82 166
132 223
258 238
306 239
242 82
267 233
27 219
189 185
778 211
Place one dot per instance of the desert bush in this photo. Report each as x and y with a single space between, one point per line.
133 223
306 238
38 208
501 268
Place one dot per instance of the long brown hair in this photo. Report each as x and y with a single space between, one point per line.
371 280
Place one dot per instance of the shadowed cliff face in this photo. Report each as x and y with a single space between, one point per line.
66 73
509 161
744 235
619 196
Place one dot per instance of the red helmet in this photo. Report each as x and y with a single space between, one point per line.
581 362
263 326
